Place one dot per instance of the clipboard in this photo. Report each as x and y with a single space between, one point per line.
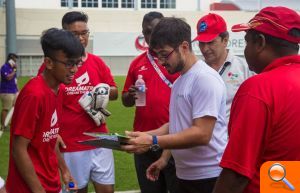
106 140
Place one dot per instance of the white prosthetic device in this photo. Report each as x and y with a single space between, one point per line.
95 102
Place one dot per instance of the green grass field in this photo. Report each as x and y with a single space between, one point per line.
120 120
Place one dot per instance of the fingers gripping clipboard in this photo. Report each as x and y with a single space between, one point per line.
106 140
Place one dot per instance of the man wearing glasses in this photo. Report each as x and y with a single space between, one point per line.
86 162
156 111
197 132
35 159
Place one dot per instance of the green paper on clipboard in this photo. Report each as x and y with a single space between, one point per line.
106 140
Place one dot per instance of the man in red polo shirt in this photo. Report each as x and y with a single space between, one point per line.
264 118
155 113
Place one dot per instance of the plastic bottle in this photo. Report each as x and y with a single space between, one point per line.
70 185
141 93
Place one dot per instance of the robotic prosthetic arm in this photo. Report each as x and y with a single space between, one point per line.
95 102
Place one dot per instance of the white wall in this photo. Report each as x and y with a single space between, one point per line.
254 5
182 5
31 22
39 4
186 5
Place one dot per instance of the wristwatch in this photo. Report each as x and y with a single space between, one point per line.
154 146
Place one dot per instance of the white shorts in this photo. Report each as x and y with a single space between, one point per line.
96 164
1 183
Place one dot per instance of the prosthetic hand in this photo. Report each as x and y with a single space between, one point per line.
94 103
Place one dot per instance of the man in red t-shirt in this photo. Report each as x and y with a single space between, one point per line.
86 162
34 157
264 121
156 111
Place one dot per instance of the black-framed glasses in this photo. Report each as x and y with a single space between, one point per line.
160 57
68 64
83 33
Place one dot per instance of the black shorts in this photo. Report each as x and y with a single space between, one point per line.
167 178
197 186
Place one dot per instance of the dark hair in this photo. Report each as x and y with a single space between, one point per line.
54 39
224 35
170 31
72 17
151 16
280 46
11 56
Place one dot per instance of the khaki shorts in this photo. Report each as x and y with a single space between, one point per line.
7 100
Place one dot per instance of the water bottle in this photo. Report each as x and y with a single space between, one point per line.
70 185
141 93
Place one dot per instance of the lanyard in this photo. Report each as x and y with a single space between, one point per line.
161 75
224 67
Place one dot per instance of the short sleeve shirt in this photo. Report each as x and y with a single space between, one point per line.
197 93
156 111
234 75
265 120
75 120
8 86
36 118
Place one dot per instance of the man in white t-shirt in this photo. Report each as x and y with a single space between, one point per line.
197 132
213 38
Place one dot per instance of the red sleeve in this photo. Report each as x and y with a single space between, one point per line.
247 127
25 116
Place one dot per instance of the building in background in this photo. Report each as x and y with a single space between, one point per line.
114 25
253 5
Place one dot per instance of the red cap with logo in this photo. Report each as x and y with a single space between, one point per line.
209 27
279 22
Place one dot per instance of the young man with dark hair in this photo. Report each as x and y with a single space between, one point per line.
156 111
265 111
213 38
86 162
197 132
35 160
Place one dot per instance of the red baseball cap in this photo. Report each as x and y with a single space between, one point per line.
209 27
274 21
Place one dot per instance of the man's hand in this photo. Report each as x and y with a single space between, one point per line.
128 98
132 92
67 178
139 142
154 169
60 142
